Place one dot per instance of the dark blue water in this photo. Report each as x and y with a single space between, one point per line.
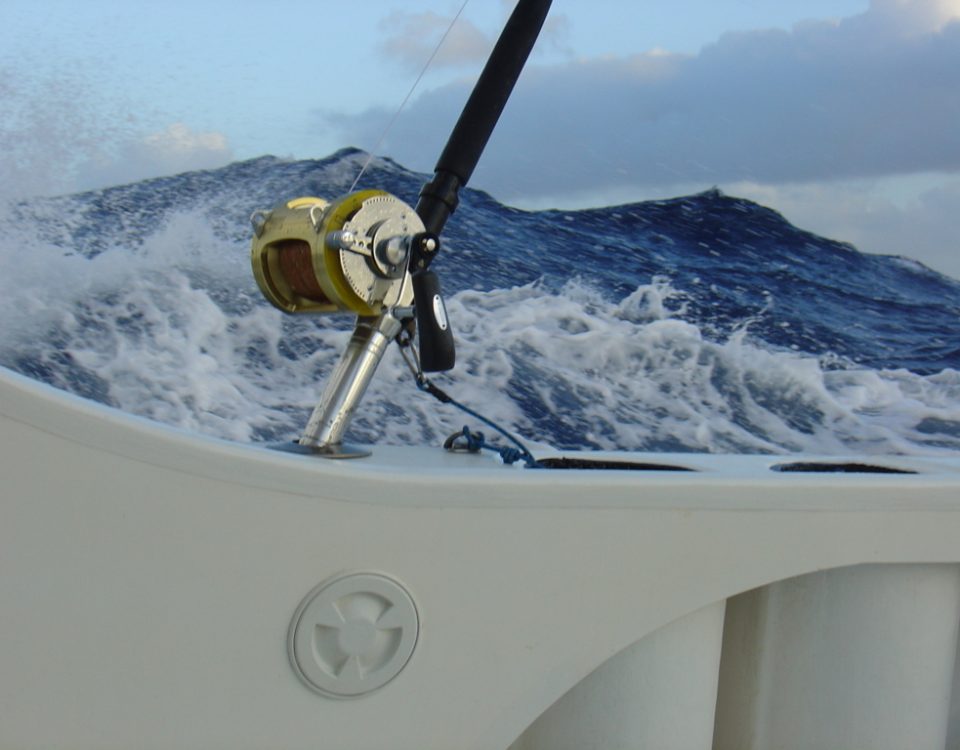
705 322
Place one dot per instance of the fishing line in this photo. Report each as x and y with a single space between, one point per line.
376 146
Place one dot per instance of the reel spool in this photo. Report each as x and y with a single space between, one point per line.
311 256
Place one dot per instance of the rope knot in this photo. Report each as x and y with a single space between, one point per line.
471 441
465 440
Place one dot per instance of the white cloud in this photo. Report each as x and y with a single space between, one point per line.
413 37
914 17
554 37
410 39
171 151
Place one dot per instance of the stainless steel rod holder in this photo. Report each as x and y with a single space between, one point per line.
346 386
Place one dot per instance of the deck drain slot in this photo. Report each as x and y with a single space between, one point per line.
826 467
603 464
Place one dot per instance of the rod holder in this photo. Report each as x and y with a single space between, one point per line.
323 434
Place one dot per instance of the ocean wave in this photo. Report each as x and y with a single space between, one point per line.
596 341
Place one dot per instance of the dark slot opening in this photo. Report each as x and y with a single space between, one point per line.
839 468
563 462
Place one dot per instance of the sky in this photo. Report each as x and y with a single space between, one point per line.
842 114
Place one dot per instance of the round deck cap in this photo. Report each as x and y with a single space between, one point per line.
353 634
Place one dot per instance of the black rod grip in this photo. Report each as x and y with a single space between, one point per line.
437 352
438 199
493 88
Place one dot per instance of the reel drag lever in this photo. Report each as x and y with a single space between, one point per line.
437 350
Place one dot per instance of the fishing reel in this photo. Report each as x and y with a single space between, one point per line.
352 256
311 256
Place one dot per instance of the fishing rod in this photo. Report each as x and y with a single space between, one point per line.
369 252
439 197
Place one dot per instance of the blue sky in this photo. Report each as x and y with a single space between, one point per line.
840 113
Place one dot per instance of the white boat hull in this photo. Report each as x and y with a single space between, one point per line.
149 579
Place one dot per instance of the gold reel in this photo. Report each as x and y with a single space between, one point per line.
351 255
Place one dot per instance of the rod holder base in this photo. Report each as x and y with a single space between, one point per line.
323 451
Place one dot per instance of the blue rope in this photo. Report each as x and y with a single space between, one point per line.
475 441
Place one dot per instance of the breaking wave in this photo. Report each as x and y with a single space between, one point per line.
705 323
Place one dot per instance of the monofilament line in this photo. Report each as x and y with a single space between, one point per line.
413 88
